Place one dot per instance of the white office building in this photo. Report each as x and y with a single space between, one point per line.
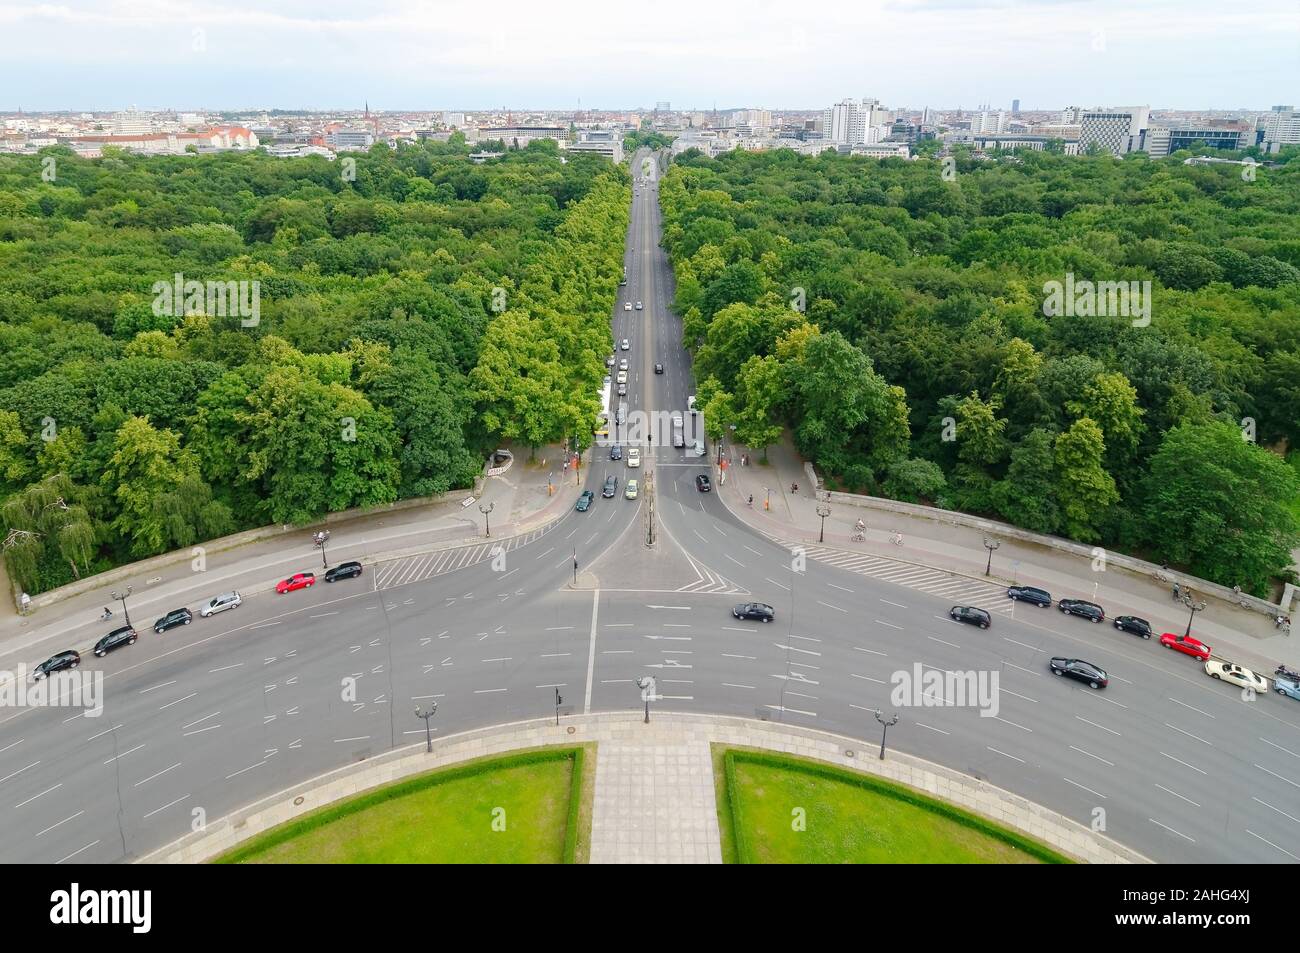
1281 128
855 123
131 123
989 122
1119 131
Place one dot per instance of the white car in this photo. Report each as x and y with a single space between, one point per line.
622 365
227 600
626 345
627 305
634 457
638 305
1241 677
622 377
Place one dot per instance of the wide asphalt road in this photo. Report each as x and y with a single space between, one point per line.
203 719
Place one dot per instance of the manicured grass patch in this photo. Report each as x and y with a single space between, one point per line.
726 822
452 815
854 818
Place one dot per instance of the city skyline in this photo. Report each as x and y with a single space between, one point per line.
401 57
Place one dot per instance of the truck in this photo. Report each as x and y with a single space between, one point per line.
679 439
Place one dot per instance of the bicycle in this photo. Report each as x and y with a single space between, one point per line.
896 538
858 537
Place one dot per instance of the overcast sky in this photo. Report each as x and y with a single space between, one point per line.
612 54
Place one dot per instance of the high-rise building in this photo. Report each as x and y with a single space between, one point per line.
853 122
1015 108
1119 131
989 122
1281 128
1071 115
131 123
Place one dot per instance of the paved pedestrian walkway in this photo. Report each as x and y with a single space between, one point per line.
655 800
957 552
663 772
524 500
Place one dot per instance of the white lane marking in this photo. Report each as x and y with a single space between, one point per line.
1091 755
896 604
357 738
1007 691
164 807
263 625
1084 788
1004 754
736 561
197 721
78 851
829 606
199 731
62 822
685 608
104 732
18 772
558 628
1189 734
489 691
840 588
615 651
242 770
1192 707
505 659
1029 671
1278 809
921 724
1271 844
1021 644
224 668
1275 774
1095 725
35 796
1013 724
867 678
750 658
591 651
144 691
159 774
793 711
794 648
777 584
553 685
1185 764
753 550
731 685
1181 798
556 654
11 745
1280 748
1171 830
858 648
178 701
890 624
618 625
942 642
123 754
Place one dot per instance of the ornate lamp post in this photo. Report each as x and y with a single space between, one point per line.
121 597
884 729
485 510
426 715
320 539
990 544
823 510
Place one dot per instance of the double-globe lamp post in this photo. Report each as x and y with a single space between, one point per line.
121 597
990 544
823 510
427 715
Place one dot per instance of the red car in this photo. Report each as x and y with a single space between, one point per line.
299 580
1188 646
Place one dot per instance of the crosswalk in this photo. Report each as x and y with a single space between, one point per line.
961 590
400 572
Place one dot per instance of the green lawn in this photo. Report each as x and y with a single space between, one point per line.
450 816
850 818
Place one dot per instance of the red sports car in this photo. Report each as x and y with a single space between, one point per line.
299 580
1187 645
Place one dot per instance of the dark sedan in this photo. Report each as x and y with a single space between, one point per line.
610 487
1091 675
1131 623
584 501
115 640
56 663
172 619
348 570
1040 597
1086 610
703 483
754 610
970 615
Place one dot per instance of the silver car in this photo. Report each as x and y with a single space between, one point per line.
227 600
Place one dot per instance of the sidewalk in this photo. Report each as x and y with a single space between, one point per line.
1241 635
519 499
672 756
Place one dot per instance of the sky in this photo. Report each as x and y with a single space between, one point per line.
615 54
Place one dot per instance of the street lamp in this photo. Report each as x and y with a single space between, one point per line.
426 715
485 510
1192 608
558 700
550 483
647 685
320 539
823 510
990 544
121 597
884 729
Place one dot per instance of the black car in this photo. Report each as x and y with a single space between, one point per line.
970 615
1040 597
1131 623
584 501
659 368
172 619
610 487
56 663
616 452
1080 670
348 570
1087 610
754 610
703 483
115 640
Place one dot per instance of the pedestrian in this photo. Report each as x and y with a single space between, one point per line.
794 487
